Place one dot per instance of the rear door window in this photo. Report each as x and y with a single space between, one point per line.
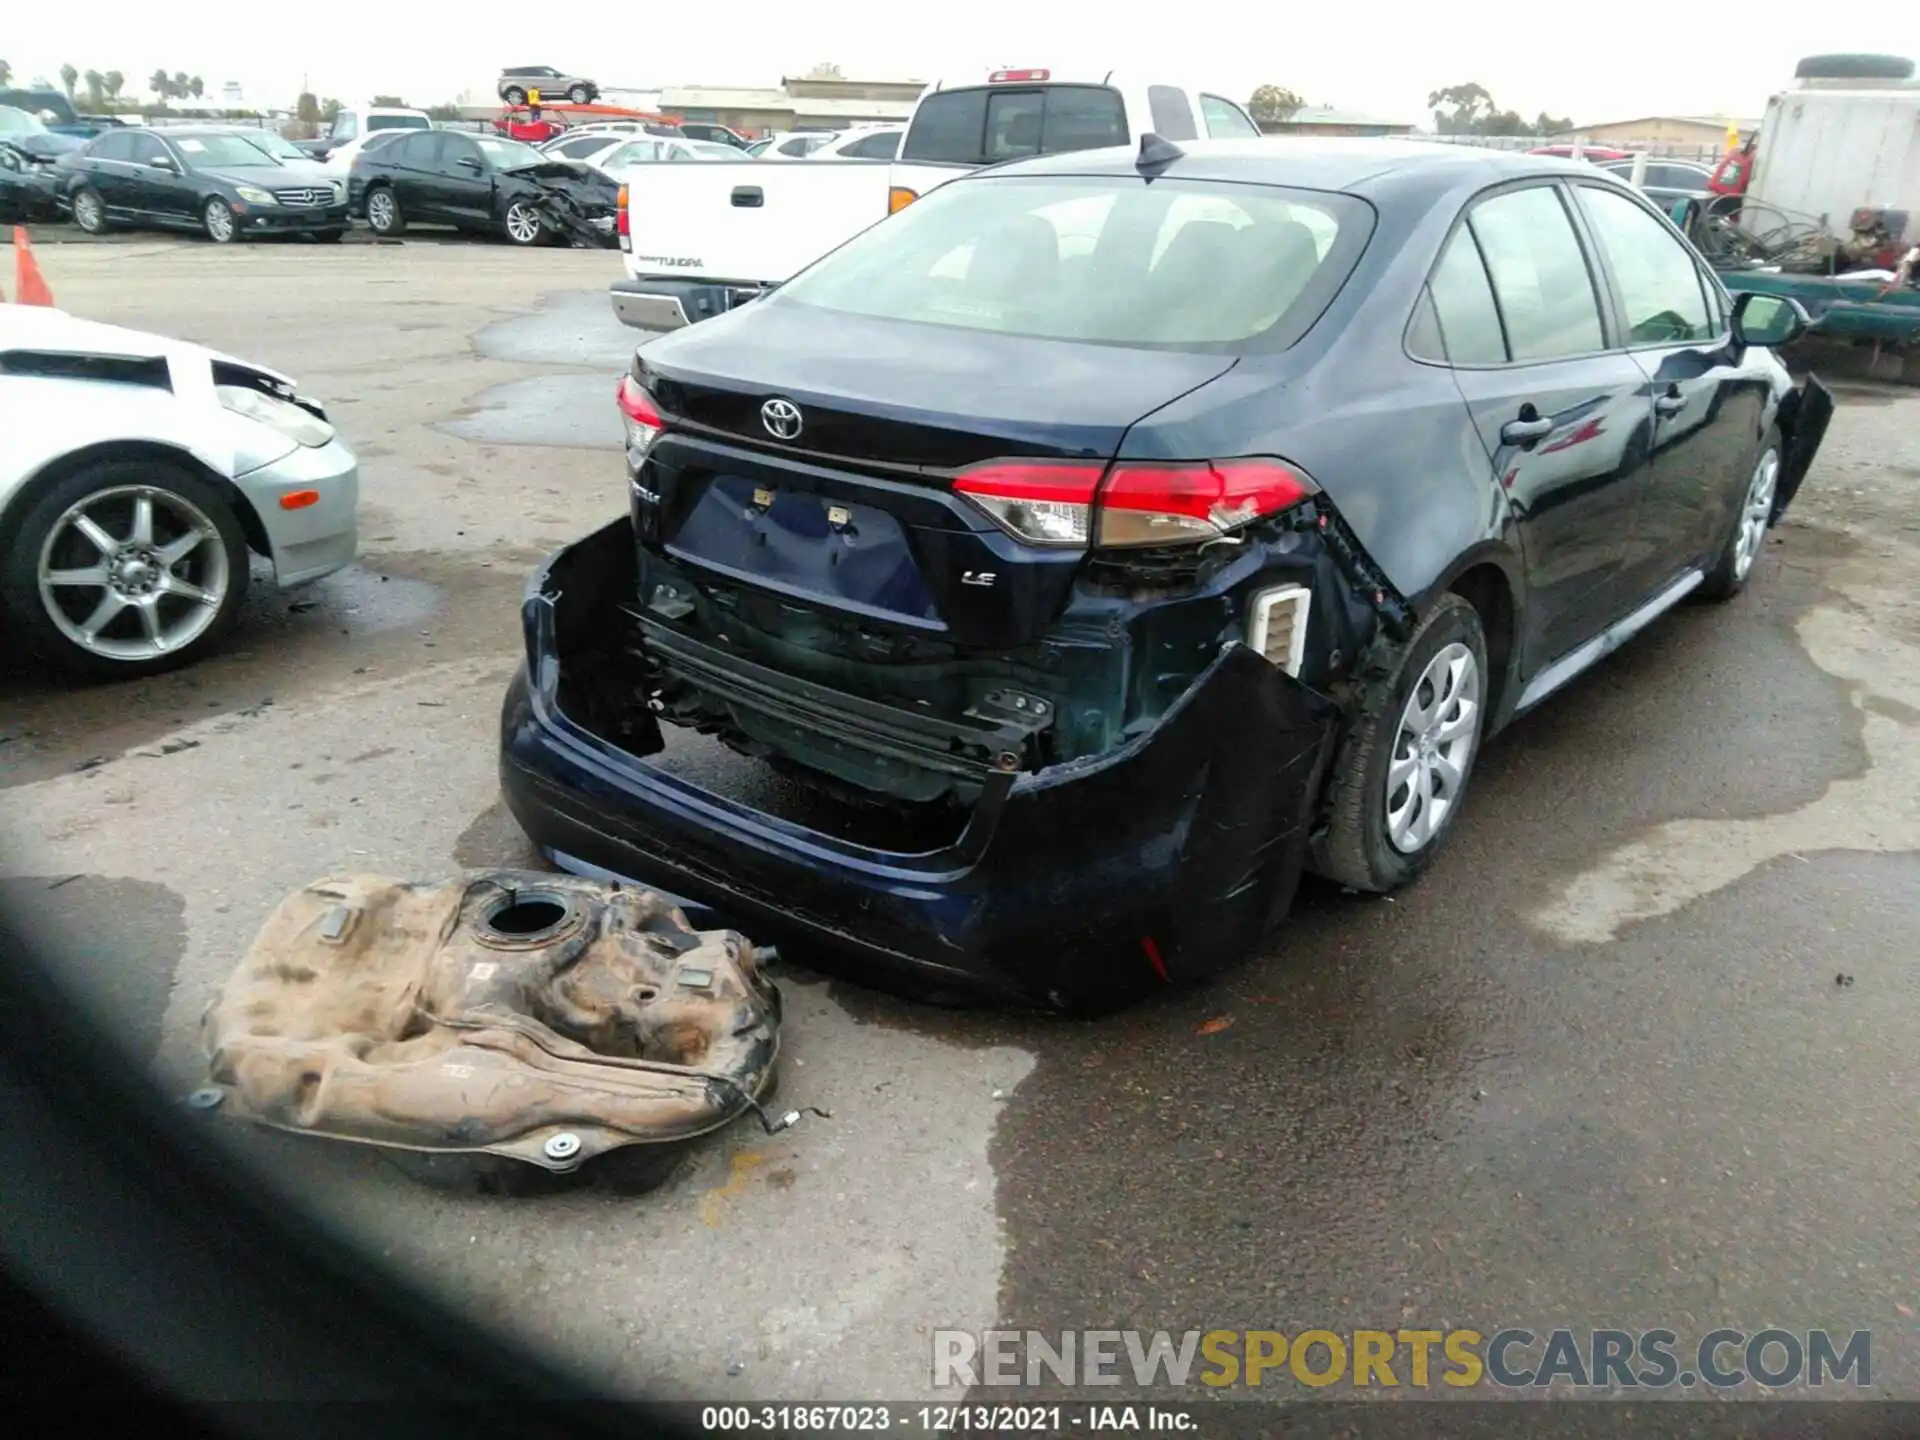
1540 275
111 147
1172 115
987 124
1463 308
1225 120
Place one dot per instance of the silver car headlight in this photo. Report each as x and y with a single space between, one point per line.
254 196
282 415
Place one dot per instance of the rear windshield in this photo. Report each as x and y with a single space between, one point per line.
1109 260
990 123
398 122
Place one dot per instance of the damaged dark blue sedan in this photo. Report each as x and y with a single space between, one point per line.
1117 534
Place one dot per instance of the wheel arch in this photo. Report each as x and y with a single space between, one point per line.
1490 578
61 466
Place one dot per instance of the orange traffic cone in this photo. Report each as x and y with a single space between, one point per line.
30 287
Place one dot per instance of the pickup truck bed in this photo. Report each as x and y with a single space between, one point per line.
706 235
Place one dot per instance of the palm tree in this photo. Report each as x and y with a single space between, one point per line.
115 83
96 90
196 88
69 77
6 73
160 85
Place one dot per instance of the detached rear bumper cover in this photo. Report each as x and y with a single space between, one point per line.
1078 887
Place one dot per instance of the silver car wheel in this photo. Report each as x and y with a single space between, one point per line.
1433 748
380 210
219 221
1756 513
88 213
151 589
523 223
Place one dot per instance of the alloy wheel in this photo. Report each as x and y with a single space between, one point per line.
88 213
133 572
523 223
1756 513
380 210
1433 748
219 217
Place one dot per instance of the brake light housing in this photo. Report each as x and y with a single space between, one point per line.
1018 77
642 418
1132 503
622 222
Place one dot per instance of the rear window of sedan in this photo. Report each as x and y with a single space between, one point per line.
1112 260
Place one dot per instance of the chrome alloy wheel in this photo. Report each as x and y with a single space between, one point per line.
219 217
88 213
132 572
380 210
1757 512
523 223
1433 748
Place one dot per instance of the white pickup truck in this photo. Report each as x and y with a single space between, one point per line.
700 239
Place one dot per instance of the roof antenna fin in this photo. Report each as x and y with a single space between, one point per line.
1156 154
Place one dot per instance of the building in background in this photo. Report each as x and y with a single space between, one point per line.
811 102
1665 132
1325 120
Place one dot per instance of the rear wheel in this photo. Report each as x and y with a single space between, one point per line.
383 212
216 218
89 210
580 95
125 568
1750 525
1402 769
523 224
514 95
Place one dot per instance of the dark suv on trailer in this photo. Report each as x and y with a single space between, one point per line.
1113 535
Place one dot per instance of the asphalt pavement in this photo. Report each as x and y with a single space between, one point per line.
1640 1051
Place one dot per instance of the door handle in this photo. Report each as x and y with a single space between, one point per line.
1671 403
1526 431
748 197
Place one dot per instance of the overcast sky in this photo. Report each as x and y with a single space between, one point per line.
1593 62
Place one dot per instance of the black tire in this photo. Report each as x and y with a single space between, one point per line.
98 209
384 216
211 223
1727 579
19 567
581 94
514 95
1355 849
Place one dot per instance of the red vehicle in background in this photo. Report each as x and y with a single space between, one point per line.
1587 152
536 124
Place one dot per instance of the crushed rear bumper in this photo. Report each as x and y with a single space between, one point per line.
1079 887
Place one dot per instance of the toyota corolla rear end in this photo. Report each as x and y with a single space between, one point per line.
906 533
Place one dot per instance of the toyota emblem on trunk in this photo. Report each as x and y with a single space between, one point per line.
781 417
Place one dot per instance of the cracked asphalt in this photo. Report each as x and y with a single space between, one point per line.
1640 1051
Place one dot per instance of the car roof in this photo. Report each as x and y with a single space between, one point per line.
1310 162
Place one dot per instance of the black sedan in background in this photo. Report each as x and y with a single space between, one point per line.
205 179
480 184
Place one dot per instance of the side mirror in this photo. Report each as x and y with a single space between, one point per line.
164 162
472 162
1768 320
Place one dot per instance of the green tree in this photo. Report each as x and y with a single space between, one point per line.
393 102
69 77
329 109
196 87
307 108
1460 109
446 111
6 73
115 82
162 85
96 91
1545 124
1273 103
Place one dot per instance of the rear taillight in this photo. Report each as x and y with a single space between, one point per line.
1134 503
643 421
899 198
622 222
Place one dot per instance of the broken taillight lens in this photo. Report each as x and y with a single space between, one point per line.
1134 503
642 419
